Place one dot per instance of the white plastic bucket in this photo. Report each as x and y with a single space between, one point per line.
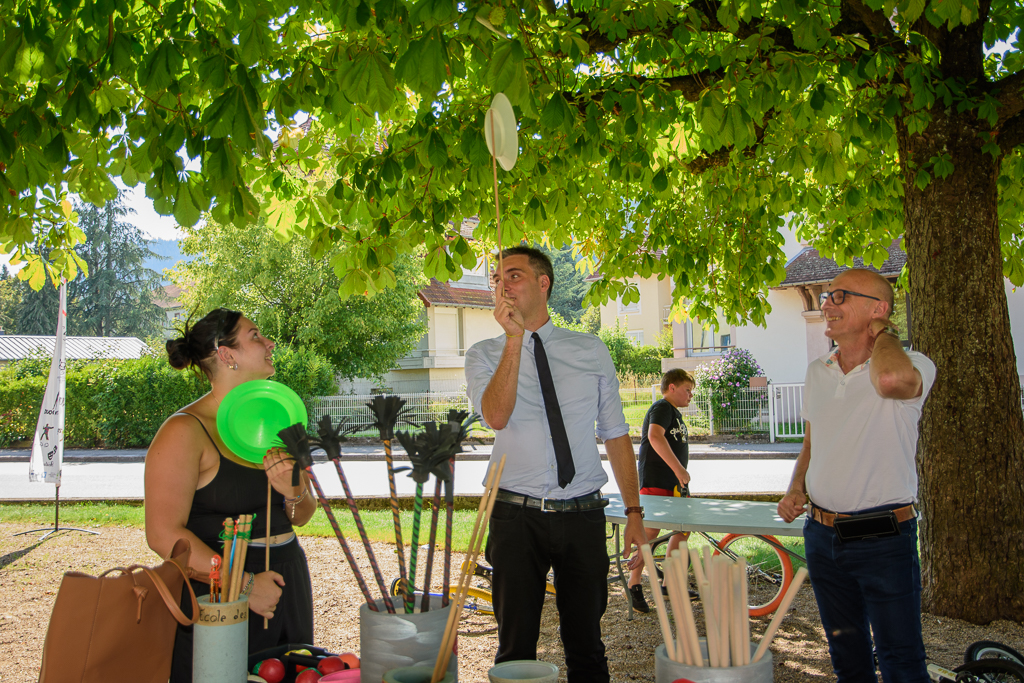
523 670
667 671
396 641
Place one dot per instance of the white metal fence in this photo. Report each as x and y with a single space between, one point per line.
423 407
773 410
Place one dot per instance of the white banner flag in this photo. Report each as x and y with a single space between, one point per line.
48 444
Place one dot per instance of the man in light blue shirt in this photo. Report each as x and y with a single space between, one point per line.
543 389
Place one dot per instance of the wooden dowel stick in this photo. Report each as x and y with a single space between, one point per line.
710 623
698 569
736 635
722 608
744 611
689 623
780 613
682 649
225 567
266 546
476 541
659 602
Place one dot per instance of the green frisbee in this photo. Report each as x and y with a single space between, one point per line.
252 414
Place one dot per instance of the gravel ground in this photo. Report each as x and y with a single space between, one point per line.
30 573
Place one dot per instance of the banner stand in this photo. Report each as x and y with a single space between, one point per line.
48 444
56 523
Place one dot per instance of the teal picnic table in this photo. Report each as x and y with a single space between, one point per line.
750 529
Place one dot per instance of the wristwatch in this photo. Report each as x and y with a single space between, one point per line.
637 509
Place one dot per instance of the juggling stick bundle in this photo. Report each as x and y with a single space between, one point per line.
723 592
483 514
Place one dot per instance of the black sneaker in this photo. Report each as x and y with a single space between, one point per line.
636 596
694 595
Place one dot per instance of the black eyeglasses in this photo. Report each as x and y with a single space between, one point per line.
838 296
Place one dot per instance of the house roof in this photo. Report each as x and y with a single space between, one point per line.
444 294
808 267
20 346
167 297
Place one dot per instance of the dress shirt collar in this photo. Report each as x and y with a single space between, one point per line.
545 331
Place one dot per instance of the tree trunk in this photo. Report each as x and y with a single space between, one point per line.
970 457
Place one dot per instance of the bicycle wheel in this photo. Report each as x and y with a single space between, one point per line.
477 600
658 550
990 671
988 649
769 570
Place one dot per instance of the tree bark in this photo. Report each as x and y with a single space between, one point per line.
970 456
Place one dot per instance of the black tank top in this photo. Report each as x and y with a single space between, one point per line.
235 490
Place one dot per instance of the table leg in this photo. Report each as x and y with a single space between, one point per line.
618 566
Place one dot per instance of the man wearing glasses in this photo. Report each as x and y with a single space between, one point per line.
862 402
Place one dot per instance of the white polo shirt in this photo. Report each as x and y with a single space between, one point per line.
862 445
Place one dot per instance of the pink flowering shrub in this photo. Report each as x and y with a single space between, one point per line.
721 381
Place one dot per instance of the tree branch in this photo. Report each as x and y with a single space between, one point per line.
1009 91
1011 134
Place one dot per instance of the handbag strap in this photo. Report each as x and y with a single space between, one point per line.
169 600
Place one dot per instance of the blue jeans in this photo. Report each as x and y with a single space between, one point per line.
872 581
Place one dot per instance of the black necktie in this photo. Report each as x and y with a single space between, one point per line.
563 452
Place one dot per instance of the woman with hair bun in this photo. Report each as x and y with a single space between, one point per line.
194 481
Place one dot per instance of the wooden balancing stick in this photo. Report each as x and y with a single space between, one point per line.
242 528
689 623
659 603
476 540
780 613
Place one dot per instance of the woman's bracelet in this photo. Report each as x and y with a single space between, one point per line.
513 335
248 585
295 501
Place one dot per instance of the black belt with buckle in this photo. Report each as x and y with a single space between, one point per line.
591 501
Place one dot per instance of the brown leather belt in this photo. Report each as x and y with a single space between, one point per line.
828 518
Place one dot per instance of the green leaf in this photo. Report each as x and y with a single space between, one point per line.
79 108
437 150
660 181
810 33
503 64
162 67
109 97
553 114
253 42
370 81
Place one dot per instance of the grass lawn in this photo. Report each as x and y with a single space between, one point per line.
378 523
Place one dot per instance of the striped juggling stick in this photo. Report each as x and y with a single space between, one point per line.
330 439
371 603
435 508
387 411
417 511
377 575
449 509
296 442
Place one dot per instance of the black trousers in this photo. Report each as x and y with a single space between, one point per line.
293 618
523 544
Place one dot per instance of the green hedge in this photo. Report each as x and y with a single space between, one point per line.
122 403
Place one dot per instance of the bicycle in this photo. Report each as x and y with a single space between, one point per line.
478 598
769 568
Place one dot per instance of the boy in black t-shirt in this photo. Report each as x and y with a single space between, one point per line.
664 454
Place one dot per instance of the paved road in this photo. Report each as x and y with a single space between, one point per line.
716 468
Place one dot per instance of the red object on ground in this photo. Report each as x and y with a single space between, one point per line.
308 676
271 670
682 680
351 661
329 665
